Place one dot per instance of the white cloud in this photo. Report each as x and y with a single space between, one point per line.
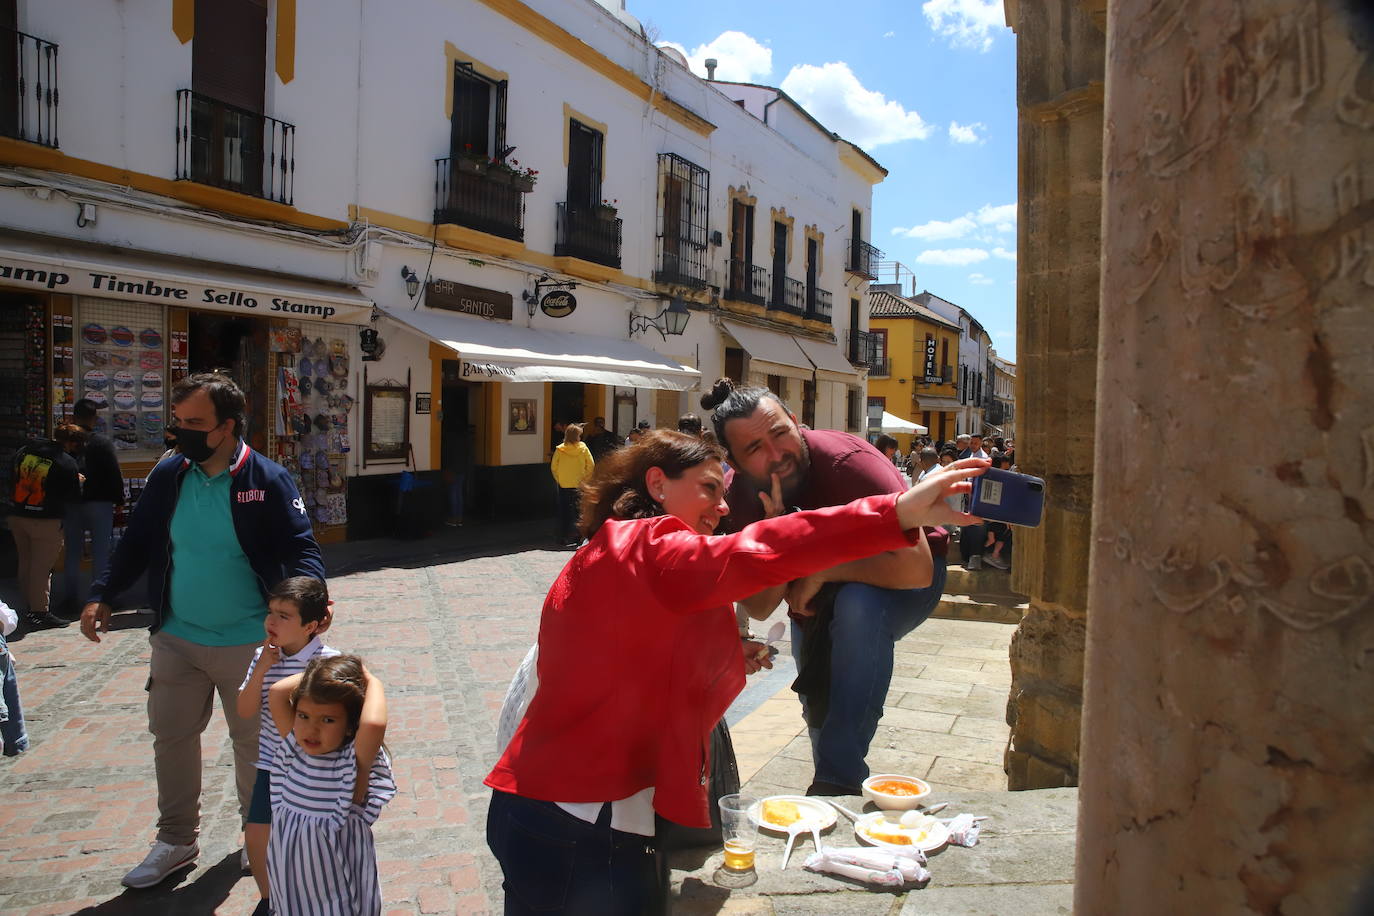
966 133
966 23
889 34
1004 254
835 97
980 280
740 57
1001 218
952 257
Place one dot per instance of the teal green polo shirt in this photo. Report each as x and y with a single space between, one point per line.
215 598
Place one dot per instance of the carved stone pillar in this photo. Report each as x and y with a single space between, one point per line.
1060 49
1228 735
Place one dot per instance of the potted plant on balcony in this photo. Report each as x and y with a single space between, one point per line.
470 162
510 173
606 210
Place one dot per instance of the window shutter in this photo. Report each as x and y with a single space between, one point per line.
500 130
229 52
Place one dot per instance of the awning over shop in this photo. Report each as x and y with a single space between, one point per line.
76 270
925 402
831 364
765 346
895 424
498 351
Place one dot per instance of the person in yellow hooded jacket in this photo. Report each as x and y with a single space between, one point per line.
572 463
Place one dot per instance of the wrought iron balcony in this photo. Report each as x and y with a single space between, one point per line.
818 304
28 88
465 195
682 263
788 296
230 147
746 282
862 348
879 366
589 233
863 259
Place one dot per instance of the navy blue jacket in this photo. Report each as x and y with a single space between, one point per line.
269 520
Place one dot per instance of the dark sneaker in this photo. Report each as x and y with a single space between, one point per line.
45 621
820 787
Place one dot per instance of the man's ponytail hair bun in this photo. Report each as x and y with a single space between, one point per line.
718 393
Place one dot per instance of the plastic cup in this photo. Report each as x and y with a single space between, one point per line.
741 837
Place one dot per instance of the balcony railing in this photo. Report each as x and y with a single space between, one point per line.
230 147
28 88
863 259
589 233
818 304
879 366
862 348
682 263
465 195
788 296
746 282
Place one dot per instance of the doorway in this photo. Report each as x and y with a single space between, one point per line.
457 440
567 404
237 346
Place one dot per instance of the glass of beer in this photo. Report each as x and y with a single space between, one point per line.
741 836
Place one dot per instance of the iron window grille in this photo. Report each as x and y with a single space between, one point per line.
684 193
28 88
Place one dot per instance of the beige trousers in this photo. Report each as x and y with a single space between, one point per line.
38 542
183 679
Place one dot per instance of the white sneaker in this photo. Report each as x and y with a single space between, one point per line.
244 865
162 860
975 562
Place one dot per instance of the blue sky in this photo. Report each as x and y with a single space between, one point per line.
927 88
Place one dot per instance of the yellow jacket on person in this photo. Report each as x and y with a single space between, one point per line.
571 464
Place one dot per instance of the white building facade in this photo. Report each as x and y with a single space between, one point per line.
304 192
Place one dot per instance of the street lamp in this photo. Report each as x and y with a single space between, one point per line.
674 320
412 281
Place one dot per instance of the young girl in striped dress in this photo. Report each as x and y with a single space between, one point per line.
330 779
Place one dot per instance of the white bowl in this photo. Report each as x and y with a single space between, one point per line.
890 802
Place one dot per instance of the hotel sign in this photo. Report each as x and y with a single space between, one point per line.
469 300
933 376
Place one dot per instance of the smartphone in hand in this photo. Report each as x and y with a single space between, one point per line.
1007 496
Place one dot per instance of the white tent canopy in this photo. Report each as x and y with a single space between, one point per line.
895 424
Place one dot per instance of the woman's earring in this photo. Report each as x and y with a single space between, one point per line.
660 497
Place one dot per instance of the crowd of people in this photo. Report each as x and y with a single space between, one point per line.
677 532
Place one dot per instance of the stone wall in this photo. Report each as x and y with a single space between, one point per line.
1060 47
1228 734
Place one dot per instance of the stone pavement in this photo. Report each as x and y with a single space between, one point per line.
444 622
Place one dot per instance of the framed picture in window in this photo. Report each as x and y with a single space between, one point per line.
521 417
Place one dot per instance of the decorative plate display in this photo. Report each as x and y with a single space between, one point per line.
120 359
96 397
152 380
124 420
96 380
124 400
95 358
93 333
122 380
152 423
123 441
151 359
778 812
150 338
121 336
151 399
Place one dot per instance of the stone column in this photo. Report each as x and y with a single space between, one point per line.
1059 49
1228 735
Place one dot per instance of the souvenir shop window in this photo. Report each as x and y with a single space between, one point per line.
121 365
311 435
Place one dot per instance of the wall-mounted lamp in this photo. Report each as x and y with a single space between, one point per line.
675 317
412 282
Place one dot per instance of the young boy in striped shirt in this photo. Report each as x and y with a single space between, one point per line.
297 613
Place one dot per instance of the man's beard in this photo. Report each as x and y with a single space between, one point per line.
791 486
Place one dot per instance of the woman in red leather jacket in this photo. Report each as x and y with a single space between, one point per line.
639 657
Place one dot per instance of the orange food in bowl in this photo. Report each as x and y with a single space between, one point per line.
898 787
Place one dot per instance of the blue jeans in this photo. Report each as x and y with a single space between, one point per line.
12 730
868 621
98 519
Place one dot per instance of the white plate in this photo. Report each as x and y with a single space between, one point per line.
937 834
813 811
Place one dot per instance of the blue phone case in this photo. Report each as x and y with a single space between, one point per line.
1008 496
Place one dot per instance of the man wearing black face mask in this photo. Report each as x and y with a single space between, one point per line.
216 526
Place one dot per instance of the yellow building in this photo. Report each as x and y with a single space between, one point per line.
912 375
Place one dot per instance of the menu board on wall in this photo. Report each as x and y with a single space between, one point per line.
386 433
